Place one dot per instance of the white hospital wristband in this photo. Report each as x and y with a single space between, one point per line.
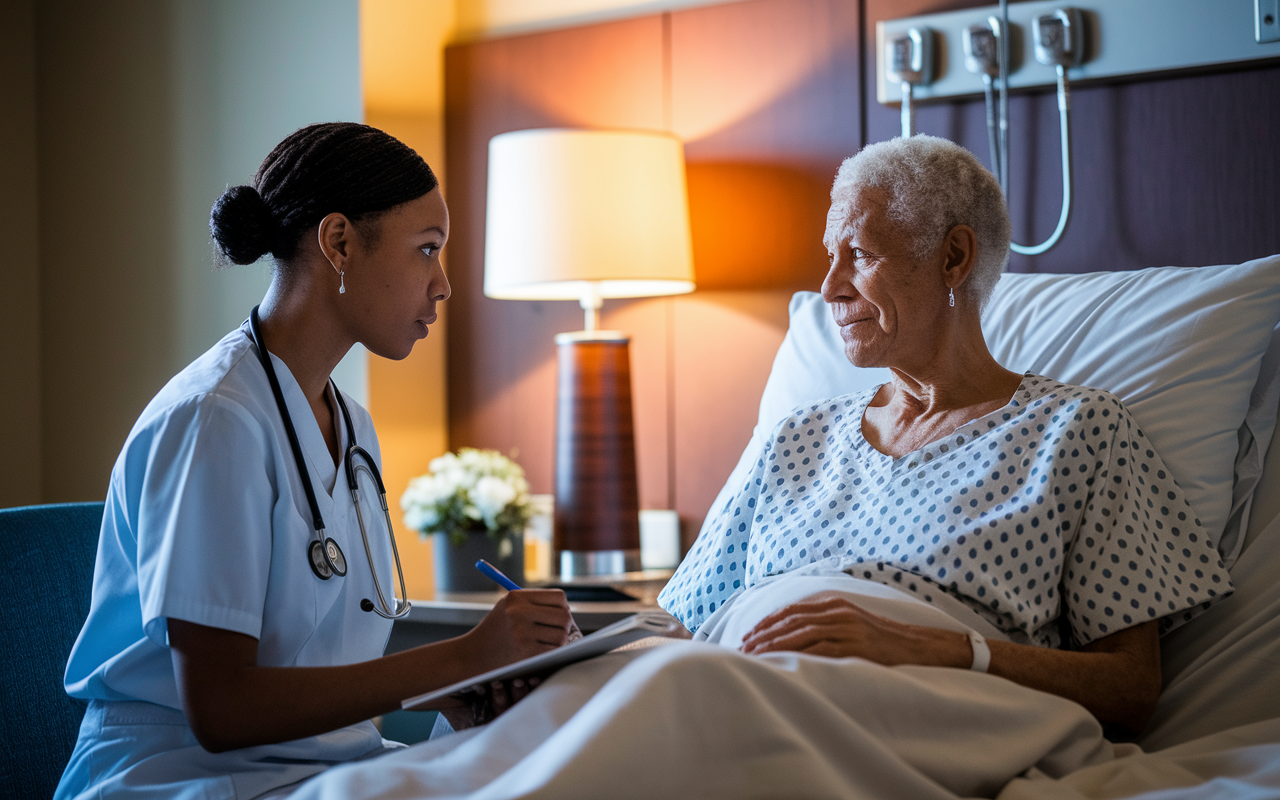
981 652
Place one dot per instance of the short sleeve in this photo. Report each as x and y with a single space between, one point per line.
203 517
1139 553
715 568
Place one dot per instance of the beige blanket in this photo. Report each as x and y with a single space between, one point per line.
690 719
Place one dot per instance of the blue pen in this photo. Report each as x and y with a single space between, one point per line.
494 574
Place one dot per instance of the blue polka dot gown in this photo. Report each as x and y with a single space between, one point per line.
1055 503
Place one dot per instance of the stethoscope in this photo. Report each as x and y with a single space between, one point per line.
323 554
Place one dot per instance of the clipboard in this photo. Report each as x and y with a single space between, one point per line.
621 633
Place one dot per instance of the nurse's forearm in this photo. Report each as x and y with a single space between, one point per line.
231 702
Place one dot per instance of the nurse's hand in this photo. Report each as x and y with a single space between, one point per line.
524 623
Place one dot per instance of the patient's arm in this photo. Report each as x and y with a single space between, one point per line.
231 702
1116 677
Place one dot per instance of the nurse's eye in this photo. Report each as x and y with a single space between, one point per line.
430 250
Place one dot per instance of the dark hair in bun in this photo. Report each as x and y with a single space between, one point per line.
332 167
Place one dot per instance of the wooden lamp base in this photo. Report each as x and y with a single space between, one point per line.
597 509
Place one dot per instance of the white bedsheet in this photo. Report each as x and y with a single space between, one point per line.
699 719
690 719
1242 764
1222 670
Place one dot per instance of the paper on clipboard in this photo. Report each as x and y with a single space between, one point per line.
623 632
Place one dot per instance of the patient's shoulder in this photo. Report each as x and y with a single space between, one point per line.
1042 393
832 413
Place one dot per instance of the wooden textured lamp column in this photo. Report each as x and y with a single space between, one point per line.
588 215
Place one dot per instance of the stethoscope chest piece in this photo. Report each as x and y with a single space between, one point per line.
326 559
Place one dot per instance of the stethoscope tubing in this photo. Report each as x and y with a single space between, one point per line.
356 451
255 329
330 553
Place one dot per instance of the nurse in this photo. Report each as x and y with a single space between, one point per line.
216 660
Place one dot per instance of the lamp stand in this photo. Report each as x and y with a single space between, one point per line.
597 509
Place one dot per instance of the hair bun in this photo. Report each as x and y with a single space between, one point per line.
242 225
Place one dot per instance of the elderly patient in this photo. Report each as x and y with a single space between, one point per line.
1038 507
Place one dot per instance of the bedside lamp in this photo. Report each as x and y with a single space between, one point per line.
587 215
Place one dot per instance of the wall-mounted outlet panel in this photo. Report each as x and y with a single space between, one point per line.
1266 21
1124 37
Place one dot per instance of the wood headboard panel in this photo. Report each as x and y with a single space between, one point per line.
769 96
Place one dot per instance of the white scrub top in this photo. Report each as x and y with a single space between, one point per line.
207 521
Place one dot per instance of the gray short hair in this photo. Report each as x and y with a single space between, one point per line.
933 185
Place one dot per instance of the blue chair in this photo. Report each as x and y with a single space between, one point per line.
46 579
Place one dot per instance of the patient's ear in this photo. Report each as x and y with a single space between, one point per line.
959 251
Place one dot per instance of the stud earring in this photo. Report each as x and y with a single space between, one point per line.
951 298
342 284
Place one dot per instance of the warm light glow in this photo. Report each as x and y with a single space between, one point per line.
402 61
733 74
401 54
572 207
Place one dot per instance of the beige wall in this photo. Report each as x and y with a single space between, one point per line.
19 265
402 44
146 110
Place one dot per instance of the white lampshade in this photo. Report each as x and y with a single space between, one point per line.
572 213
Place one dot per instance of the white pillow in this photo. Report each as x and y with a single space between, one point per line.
1181 347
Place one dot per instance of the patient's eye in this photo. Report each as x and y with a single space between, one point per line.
859 254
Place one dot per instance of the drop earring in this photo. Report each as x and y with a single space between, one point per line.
951 298
342 285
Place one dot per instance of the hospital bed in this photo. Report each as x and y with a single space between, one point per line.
1195 353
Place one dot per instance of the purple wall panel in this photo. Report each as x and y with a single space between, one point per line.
1176 171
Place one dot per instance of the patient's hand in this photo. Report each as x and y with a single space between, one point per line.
838 628
1116 677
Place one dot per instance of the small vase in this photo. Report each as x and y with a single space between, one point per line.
455 564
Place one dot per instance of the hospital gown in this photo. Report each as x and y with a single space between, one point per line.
1052 509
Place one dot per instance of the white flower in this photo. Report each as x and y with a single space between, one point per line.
491 496
425 491
421 518
465 488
